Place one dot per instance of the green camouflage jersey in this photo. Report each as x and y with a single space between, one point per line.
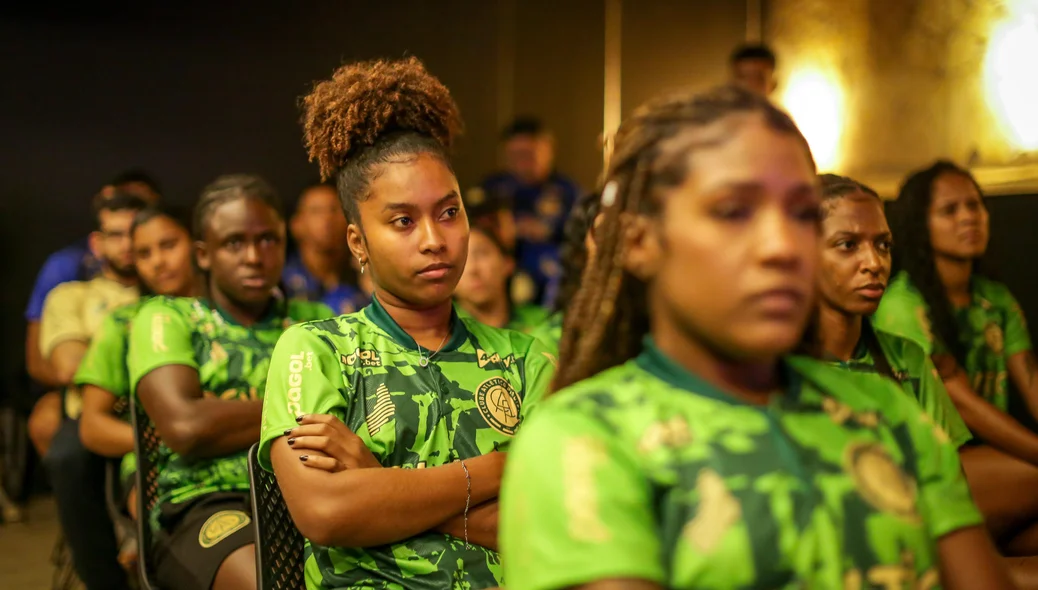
232 362
468 400
915 372
526 318
991 329
104 366
550 331
647 471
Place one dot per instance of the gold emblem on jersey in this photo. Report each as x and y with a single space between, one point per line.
551 359
672 433
499 405
924 322
158 332
880 481
221 525
718 511
383 411
840 413
582 456
994 338
217 353
363 358
484 358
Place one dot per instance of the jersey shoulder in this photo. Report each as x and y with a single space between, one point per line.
860 390
902 352
994 292
125 313
304 311
500 341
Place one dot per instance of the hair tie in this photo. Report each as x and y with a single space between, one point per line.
609 193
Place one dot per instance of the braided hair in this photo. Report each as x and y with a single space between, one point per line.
608 318
909 222
371 113
574 252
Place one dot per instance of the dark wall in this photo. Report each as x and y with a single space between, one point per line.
190 93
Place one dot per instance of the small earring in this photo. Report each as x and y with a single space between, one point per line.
361 268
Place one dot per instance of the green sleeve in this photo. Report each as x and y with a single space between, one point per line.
1017 339
944 496
903 313
539 368
575 507
160 336
104 364
944 412
305 377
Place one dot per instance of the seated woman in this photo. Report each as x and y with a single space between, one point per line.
684 447
405 382
976 334
855 268
199 366
483 292
161 244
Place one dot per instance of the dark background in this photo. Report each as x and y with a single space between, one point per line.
191 91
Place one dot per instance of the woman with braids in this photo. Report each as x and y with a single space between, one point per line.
483 293
198 367
854 271
685 448
161 245
974 330
406 382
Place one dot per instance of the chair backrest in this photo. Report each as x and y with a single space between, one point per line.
279 544
146 444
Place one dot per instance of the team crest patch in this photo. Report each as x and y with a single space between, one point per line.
994 338
880 481
221 525
499 405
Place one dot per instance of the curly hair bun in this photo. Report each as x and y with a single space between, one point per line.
365 101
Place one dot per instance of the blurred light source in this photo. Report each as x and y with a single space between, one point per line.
1011 73
814 98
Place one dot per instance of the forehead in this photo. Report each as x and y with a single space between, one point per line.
318 196
160 225
120 218
855 213
743 150
243 215
414 180
951 186
753 64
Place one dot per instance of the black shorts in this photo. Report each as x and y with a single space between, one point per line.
197 536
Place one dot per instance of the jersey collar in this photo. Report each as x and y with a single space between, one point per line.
661 366
381 318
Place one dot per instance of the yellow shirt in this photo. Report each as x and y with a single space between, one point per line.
74 310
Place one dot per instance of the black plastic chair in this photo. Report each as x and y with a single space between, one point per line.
146 444
279 544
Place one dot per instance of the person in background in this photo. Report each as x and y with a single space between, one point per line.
74 263
752 67
685 446
321 269
199 367
975 331
483 290
578 247
72 314
539 199
162 251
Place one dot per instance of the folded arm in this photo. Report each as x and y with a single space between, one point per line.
99 429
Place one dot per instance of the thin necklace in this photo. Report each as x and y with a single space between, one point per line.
424 360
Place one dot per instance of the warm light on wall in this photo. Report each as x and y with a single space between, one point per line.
1011 74
814 98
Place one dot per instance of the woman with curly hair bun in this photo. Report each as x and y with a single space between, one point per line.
406 382
977 336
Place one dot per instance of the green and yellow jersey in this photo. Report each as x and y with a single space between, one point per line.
526 318
917 376
647 471
232 362
105 366
991 329
412 411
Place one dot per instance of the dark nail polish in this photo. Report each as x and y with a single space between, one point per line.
303 458
288 432
291 441
299 418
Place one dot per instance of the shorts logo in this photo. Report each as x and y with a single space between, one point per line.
499 405
221 525
366 358
880 481
484 358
